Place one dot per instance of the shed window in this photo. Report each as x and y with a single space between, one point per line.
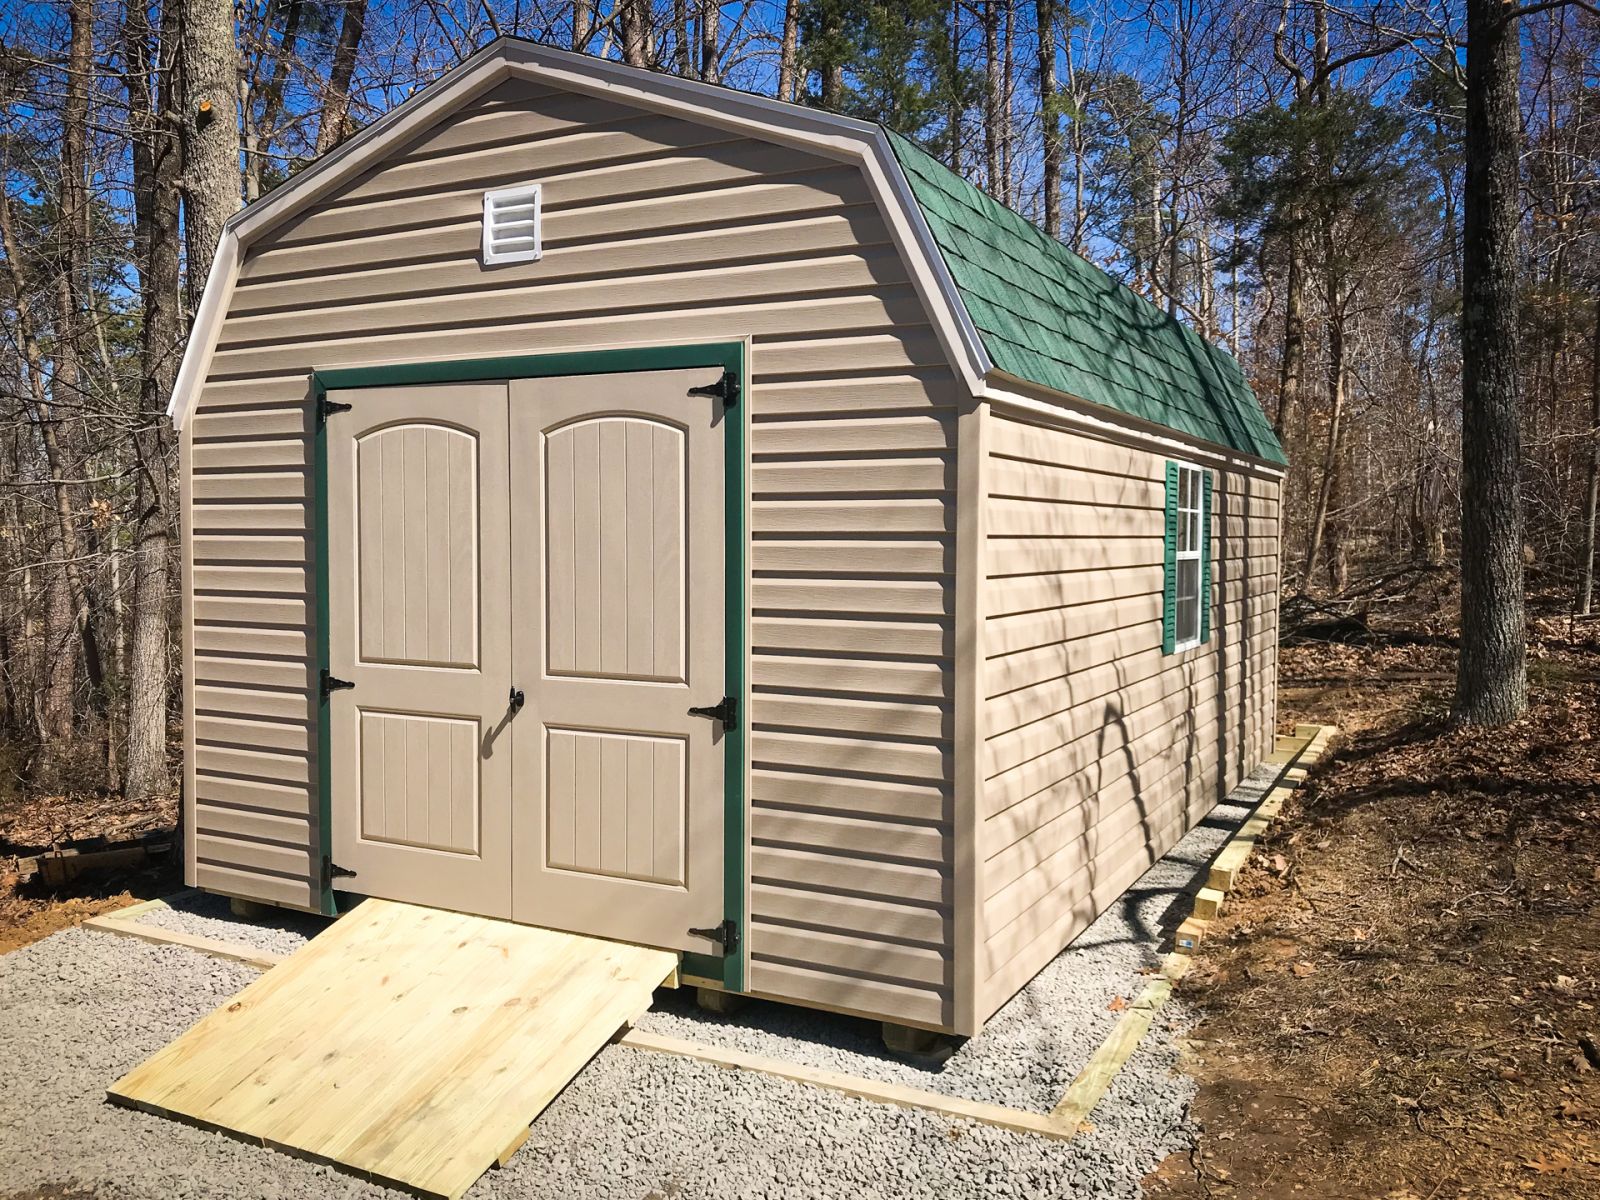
511 219
1186 612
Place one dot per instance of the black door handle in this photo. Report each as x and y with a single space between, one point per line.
517 699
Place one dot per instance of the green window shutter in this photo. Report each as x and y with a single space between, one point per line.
1169 598
1205 556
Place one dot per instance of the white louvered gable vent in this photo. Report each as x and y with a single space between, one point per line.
511 224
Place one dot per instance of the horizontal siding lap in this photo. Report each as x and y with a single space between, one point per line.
1101 750
655 231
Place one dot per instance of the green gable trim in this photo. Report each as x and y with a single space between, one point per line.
1048 316
1169 560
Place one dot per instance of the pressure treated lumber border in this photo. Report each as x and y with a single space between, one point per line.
1296 754
124 923
1015 1119
1063 1122
1094 1080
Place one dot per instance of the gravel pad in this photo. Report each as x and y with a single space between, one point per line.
81 1008
278 931
1034 1047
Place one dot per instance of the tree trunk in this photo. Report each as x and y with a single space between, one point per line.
991 96
1079 211
955 126
832 70
1331 458
1158 228
57 675
56 725
1008 72
61 427
211 132
1293 365
1180 129
788 74
710 42
333 127
681 38
264 125
635 32
1492 676
1592 502
1049 117
146 772
582 24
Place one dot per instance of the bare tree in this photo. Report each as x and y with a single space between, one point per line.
211 179
1492 675
1049 117
1591 505
153 119
635 20
788 52
333 124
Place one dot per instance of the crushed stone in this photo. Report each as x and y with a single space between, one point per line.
81 1008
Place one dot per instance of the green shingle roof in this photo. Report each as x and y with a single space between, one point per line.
1048 316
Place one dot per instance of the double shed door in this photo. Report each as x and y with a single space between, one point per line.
561 538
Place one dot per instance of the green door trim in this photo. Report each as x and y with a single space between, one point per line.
730 356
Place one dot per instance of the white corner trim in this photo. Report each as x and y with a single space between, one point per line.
828 134
196 364
1070 412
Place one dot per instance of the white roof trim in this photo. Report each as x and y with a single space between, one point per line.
196 364
826 133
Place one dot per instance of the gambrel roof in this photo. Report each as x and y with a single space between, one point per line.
1011 306
1049 316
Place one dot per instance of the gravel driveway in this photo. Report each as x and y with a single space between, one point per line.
80 1008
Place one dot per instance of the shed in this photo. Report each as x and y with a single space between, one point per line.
622 504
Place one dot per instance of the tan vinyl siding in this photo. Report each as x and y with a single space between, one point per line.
1100 751
853 640
656 231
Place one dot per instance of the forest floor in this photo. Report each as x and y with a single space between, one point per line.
1400 1000
29 910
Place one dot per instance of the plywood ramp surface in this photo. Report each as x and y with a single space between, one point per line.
408 1044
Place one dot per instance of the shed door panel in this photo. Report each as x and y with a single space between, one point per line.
617 561
419 622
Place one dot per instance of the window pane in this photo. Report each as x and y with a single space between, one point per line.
1183 531
1188 600
1187 629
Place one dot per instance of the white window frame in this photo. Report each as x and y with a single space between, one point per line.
492 256
1192 517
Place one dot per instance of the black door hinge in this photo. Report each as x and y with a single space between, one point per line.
326 408
725 389
725 935
725 710
331 871
330 684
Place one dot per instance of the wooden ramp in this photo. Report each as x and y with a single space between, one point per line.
410 1045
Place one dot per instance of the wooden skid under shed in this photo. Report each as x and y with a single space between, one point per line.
408 1044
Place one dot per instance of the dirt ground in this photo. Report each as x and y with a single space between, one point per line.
1401 998
28 909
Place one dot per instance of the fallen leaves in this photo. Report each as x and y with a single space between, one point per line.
1437 1005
